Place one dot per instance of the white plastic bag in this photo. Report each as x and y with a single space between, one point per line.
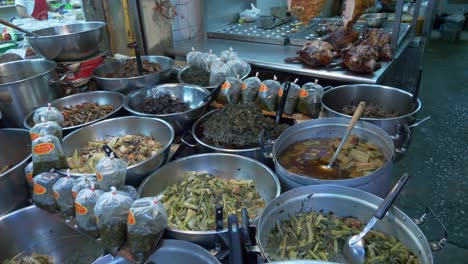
250 15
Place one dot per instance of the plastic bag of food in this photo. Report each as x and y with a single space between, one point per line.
238 67
84 209
111 212
84 182
210 58
47 154
291 100
131 191
268 95
219 72
197 59
230 91
46 128
28 172
43 194
63 195
48 113
146 222
250 15
309 101
250 88
110 172
227 55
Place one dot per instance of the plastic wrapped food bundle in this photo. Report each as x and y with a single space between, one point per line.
197 59
28 173
250 88
227 55
146 222
82 183
210 58
43 193
238 67
47 154
63 195
219 72
268 94
46 128
110 172
309 101
111 212
131 191
230 91
291 100
48 113
84 209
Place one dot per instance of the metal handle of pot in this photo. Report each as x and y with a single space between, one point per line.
403 130
441 243
419 122
263 143
235 254
184 139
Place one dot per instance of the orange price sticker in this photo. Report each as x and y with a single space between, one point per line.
80 209
263 88
43 148
280 92
98 176
39 189
225 86
244 86
29 177
34 136
74 194
303 93
131 218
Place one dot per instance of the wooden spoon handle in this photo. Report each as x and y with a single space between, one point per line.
8 24
356 115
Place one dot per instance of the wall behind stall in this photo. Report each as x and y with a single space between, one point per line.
188 24
7 13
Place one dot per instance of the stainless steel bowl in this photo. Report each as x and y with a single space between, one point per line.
161 130
126 85
376 19
191 94
68 42
223 165
179 76
16 151
100 97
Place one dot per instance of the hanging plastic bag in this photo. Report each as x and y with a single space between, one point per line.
28 172
238 67
250 15
46 128
250 88
197 59
268 94
111 212
309 101
49 113
84 182
63 195
131 191
219 72
47 154
146 222
110 172
227 55
291 100
230 91
84 209
43 194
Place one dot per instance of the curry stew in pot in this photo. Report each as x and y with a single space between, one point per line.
309 157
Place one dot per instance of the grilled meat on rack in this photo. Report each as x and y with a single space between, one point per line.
315 53
361 58
381 39
342 37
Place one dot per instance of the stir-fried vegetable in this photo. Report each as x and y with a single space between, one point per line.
191 204
317 236
131 148
83 113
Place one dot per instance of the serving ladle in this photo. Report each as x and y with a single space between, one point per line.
353 249
8 24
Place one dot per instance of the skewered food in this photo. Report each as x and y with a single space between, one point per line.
370 111
129 69
131 148
163 104
313 235
83 113
4 168
315 53
308 157
190 204
305 10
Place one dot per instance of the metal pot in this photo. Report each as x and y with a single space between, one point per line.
33 230
223 165
193 95
391 99
24 86
179 76
126 85
378 182
161 130
16 145
344 202
100 97
68 42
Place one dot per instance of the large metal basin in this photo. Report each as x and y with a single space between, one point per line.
161 130
191 94
16 151
344 202
100 97
391 99
24 86
126 85
68 42
223 165
33 230
377 183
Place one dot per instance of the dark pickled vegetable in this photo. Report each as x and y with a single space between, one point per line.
230 91
194 75
370 111
129 69
83 113
161 105
268 95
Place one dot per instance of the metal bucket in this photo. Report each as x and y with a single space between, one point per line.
391 99
24 86
343 202
377 183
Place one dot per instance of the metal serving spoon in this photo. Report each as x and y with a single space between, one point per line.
353 249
